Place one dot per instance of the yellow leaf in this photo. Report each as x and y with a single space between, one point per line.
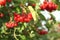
34 13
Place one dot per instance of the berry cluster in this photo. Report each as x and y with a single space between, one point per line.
41 31
49 6
2 2
23 17
11 24
1 15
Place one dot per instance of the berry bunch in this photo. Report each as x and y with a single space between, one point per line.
1 15
2 2
11 24
22 18
42 31
49 6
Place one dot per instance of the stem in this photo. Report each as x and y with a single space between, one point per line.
15 34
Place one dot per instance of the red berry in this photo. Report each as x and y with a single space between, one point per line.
29 16
18 19
18 16
8 25
26 20
15 14
15 24
33 5
21 19
15 18
55 7
2 2
42 32
42 7
49 6
11 24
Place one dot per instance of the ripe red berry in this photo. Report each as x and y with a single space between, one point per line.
15 18
29 16
2 2
42 32
55 7
42 7
33 5
11 24
21 19
15 14
18 16
27 20
16 24
18 19
49 6
8 25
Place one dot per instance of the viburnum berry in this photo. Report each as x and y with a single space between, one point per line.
27 20
42 32
49 6
1 15
2 2
20 19
15 24
33 5
15 14
18 16
23 17
29 15
11 24
42 7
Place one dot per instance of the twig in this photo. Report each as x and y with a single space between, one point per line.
15 34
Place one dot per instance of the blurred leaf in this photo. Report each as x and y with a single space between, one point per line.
34 13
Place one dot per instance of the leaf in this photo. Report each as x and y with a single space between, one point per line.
18 10
34 13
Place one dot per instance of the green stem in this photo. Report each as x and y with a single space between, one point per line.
15 34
